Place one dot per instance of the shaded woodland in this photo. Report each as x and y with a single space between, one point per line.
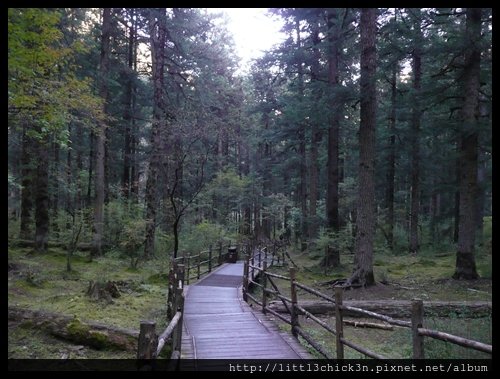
365 131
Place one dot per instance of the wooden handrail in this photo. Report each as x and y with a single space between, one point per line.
416 325
168 332
476 345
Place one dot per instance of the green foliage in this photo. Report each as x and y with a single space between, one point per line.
341 241
43 88
132 239
196 238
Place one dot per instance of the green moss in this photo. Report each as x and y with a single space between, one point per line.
81 332
160 278
77 329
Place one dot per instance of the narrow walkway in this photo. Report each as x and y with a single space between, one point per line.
218 324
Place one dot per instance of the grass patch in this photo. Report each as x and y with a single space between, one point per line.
52 288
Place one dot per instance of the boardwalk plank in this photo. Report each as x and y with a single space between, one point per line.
218 324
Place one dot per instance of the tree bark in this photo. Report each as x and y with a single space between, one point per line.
101 135
55 194
332 197
128 111
302 148
415 140
465 262
315 139
365 220
391 170
157 31
42 196
27 173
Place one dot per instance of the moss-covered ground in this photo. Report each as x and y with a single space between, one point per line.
41 282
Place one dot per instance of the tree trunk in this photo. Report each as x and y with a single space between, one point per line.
391 169
27 189
55 194
101 135
72 329
157 30
69 206
332 197
466 263
415 140
302 151
315 141
42 196
127 116
365 220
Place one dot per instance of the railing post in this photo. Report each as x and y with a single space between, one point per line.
170 294
245 277
417 321
253 264
210 258
294 317
188 268
264 286
260 258
326 259
179 306
220 252
198 264
148 341
339 323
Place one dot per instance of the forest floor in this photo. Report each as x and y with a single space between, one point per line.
41 282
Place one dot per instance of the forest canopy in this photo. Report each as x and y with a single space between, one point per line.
365 130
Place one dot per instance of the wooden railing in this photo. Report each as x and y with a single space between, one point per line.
182 270
253 269
150 344
204 262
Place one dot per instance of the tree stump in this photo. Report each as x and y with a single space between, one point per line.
103 291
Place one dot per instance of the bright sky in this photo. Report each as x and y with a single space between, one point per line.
252 30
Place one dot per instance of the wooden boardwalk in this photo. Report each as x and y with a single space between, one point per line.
218 324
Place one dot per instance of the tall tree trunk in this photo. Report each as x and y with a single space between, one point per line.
42 196
69 206
391 170
466 262
27 173
365 220
315 139
101 135
79 166
456 208
332 197
415 140
134 169
157 31
55 195
91 167
302 150
127 116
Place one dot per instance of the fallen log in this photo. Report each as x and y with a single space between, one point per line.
70 328
362 324
82 246
396 308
